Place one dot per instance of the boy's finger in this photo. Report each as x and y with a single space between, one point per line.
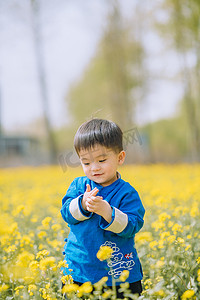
96 198
88 188
89 209
94 192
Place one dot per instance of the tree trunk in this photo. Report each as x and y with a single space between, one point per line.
42 80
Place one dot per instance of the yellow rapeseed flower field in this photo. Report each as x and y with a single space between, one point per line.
32 232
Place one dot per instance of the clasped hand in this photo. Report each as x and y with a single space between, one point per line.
93 203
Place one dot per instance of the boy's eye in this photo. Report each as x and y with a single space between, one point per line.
86 164
102 160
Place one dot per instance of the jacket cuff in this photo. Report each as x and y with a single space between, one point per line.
118 223
77 210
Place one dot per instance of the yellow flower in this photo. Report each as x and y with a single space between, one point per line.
28 280
124 285
55 244
98 285
194 210
104 253
198 260
70 288
48 262
24 259
143 237
107 294
176 227
31 288
187 294
153 245
46 222
198 273
124 275
162 217
18 210
180 240
147 283
160 264
34 265
42 234
43 293
164 234
62 263
158 225
171 239
20 287
34 220
161 244
170 224
25 240
67 279
56 227
47 286
160 293
11 249
41 246
85 288
188 247
4 288
42 253
198 278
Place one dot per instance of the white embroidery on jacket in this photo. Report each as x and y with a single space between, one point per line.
116 262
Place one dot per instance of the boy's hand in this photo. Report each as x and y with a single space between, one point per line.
88 193
99 206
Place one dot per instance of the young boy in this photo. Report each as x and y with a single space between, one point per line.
101 209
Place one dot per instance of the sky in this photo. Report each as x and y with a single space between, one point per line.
70 33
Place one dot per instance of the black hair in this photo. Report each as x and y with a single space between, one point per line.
98 131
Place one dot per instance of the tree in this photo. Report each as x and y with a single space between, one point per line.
106 88
42 81
183 29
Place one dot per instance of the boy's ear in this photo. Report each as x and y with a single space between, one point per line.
121 157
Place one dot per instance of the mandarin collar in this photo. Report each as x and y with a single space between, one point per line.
100 187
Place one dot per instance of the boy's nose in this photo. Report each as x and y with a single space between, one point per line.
95 167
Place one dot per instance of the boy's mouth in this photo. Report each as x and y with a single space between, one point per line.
96 175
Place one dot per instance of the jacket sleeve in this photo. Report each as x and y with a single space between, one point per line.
72 210
127 220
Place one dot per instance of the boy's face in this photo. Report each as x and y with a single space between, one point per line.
100 164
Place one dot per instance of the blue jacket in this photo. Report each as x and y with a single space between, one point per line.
89 231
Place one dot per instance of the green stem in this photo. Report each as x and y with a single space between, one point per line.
114 296
114 288
180 279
